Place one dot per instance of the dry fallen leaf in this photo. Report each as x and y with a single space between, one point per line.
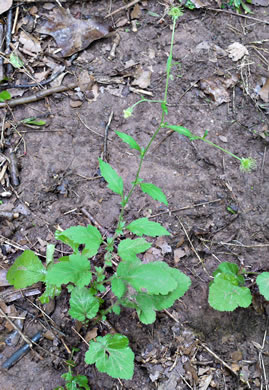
178 254
264 92
71 34
5 5
217 87
91 334
30 44
237 51
142 78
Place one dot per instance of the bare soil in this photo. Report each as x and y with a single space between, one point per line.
59 176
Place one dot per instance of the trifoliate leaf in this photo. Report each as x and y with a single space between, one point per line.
144 226
263 283
128 249
225 296
154 277
83 304
76 270
81 235
128 140
154 191
115 182
112 355
26 270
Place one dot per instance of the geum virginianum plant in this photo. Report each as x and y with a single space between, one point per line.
146 288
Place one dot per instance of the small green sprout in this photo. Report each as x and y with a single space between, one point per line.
247 164
128 112
175 12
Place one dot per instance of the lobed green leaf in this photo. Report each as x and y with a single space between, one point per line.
115 182
81 235
26 270
144 226
154 191
76 270
112 355
83 305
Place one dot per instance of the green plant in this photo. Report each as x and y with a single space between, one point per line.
227 290
146 288
237 4
73 382
4 95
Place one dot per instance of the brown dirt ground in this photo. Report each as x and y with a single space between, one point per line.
54 188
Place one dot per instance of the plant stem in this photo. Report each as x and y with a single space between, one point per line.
219 147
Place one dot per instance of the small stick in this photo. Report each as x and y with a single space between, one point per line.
170 132
13 169
82 338
122 8
15 19
218 358
171 316
38 96
2 73
87 127
106 136
96 223
8 39
25 338
42 83
236 245
185 208
239 15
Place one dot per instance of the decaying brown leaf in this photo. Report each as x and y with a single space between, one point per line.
237 51
264 92
5 5
70 34
217 87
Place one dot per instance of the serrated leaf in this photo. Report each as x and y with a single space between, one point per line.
15 61
154 277
26 270
112 355
128 249
76 270
263 283
128 140
118 287
4 95
144 226
83 305
225 296
154 191
81 235
115 182
162 302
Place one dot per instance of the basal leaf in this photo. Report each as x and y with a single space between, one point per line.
83 304
118 287
225 296
112 355
26 270
263 283
76 270
115 182
153 277
81 235
154 191
128 140
128 249
144 226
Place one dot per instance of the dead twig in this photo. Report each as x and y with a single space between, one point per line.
218 358
38 96
8 38
239 15
25 338
2 73
96 223
40 84
106 136
122 8
185 208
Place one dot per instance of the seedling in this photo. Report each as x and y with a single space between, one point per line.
227 290
4 95
146 288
